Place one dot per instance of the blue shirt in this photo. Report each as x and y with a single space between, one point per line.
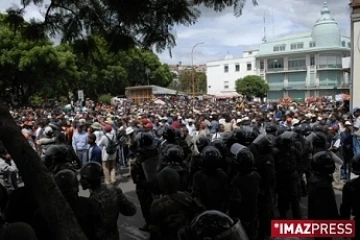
80 141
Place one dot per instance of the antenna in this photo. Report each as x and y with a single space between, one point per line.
264 38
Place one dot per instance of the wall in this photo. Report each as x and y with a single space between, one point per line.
217 78
355 70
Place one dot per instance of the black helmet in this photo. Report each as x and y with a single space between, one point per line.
210 157
298 129
202 142
280 130
174 153
287 138
91 173
306 129
355 165
57 154
323 163
169 133
213 225
317 128
219 144
271 128
239 135
228 139
67 182
146 139
319 140
243 158
263 143
168 180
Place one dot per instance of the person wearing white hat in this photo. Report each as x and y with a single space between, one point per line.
191 127
96 129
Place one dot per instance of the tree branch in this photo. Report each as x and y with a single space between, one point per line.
52 204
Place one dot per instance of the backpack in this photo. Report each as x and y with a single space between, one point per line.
112 147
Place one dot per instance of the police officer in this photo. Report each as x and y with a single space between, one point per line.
209 183
321 199
60 156
174 159
143 172
199 145
247 182
174 209
350 205
87 212
287 159
226 158
213 225
110 197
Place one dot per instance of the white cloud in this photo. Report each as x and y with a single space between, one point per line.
223 32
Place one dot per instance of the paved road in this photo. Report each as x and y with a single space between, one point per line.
128 226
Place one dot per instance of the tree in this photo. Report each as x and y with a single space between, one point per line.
29 67
123 24
186 83
252 86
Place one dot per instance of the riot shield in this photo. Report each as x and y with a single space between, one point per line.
150 166
236 148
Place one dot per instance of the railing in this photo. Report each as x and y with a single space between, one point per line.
298 68
276 69
329 66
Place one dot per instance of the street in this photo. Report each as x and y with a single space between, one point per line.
129 226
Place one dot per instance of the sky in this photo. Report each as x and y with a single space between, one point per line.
223 33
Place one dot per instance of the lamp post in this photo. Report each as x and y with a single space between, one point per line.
192 68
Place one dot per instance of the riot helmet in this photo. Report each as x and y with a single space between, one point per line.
298 129
90 175
202 142
56 155
355 165
219 144
228 139
323 163
169 133
306 129
210 158
168 180
243 158
271 128
263 143
174 153
319 140
239 135
251 133
146 139
317 128
280 130
287 138
213 225
67 182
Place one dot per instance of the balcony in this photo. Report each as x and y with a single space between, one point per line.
298 68
274 70
329 66
276 85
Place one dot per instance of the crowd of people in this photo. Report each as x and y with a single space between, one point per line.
202 169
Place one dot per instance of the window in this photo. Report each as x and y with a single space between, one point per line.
330 61
297 63
237 67
279 48
349 44
250 53
248 66
294 46
343 43
226 68
226 84
312 44
312 60
261 64
275 64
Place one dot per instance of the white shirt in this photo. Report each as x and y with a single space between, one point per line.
5 167
337 143
191 129
104 142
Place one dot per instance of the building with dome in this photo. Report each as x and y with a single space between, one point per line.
310 64
221 75
297 66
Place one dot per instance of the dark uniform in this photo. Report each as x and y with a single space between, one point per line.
173 209
350 205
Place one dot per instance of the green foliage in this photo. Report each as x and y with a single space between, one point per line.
105 98
29 67
186 83
122 24
252 86
36 101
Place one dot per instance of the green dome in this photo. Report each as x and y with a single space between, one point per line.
326 31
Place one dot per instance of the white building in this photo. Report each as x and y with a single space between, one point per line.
355 54
221 75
